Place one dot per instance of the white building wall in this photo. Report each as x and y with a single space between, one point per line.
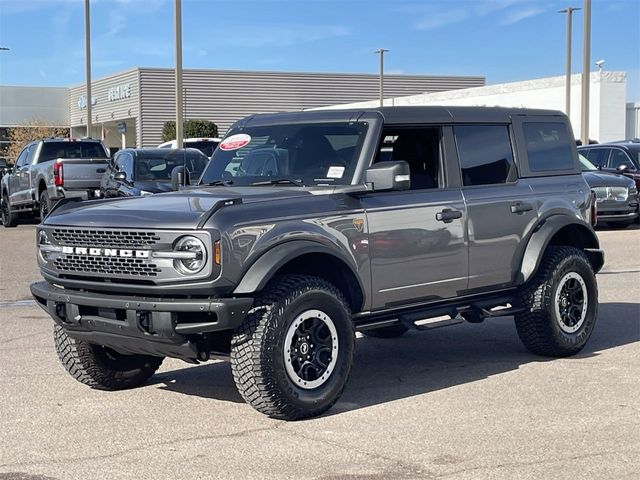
633 120
606 93
20 106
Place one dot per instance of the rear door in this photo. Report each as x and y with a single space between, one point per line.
499 206
417 237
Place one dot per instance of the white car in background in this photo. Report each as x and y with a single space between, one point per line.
205 145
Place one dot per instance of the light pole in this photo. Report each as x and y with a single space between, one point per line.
179 105
569 11
381 52
586 72
87 49
4 48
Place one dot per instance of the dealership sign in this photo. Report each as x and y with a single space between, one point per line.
119 92
82 101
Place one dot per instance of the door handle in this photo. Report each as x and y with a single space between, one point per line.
447 215
101 170
521 207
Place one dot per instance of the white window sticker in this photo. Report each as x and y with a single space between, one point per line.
335 172
234 142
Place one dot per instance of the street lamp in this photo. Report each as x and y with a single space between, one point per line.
178 43
4 48
586 72
569 11
381 52
87 48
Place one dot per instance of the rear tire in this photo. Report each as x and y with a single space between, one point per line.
561 304
45 205
393 331
9 219
292 355
100 367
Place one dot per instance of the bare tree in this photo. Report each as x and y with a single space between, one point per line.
34 130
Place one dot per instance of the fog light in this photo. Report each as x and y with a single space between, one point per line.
194 262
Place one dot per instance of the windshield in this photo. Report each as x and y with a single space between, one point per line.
158 168
51 150
313 154
586 165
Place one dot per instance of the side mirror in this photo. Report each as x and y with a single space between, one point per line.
120 177
388 176
623 167
179 178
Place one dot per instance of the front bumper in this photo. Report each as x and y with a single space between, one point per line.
140 325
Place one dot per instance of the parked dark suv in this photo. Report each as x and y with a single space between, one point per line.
618 157
145 171
308 226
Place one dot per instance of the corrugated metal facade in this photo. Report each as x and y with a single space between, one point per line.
106 108
226 96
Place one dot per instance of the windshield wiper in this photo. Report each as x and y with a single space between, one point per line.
220 183
280 181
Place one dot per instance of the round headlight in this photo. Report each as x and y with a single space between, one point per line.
196 256
43 240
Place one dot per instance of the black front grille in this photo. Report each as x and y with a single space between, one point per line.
104 238
106 265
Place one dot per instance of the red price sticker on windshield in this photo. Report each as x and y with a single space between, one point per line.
234 142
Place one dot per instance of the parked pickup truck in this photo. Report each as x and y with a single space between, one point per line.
49 170
305 227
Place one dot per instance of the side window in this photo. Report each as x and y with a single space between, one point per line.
485 154
548 146
619 157
420 148
598 156
124 163
30 154
21 160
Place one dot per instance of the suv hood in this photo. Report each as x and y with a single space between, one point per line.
174 210
604 179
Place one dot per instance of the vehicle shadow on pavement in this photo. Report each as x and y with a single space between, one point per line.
390 369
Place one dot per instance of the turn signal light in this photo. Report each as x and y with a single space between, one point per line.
217 256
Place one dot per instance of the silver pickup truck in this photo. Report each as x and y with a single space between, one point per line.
50 170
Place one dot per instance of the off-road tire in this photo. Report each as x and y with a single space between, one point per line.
393 331
258 348
45 205
100 367
539 326
9 219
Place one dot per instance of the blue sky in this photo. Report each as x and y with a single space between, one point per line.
504 40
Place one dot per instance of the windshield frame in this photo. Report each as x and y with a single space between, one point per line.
371 122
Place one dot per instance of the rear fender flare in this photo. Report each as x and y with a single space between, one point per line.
585 238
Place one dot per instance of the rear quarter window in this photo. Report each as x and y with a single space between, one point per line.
548 146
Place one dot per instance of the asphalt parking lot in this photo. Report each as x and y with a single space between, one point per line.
461 402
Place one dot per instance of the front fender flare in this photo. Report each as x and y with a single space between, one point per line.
263 269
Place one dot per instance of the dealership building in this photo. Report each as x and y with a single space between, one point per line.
141 100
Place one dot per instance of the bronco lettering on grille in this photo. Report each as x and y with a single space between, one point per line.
106 252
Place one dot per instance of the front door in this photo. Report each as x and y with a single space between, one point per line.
416 237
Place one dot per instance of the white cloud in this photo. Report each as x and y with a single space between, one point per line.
519 15
278 35
115 23
442 18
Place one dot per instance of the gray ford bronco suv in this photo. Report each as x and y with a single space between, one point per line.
306 227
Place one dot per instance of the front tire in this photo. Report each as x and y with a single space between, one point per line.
9 219
293 353
100 367
561 304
